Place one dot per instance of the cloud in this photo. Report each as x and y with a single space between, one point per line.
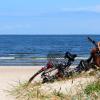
95 8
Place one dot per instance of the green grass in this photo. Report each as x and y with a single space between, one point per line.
93 87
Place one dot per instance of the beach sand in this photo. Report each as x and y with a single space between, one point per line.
10 75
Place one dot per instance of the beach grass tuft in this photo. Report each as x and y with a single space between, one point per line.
88 91
93 87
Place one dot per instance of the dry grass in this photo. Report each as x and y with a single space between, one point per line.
35 91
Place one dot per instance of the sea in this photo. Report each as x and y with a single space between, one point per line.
33 50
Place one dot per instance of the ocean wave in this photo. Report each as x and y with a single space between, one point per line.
79 58
38 58
43 58
7 58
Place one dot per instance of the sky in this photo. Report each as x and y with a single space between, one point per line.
49 17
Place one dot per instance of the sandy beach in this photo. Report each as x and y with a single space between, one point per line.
11 75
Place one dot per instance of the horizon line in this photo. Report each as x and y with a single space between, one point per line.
49 34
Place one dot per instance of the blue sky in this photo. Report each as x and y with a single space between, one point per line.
49 16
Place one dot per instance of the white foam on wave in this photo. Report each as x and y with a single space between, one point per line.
7 58
11 54
79 58
10 58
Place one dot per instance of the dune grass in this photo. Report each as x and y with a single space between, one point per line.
34 92
93 87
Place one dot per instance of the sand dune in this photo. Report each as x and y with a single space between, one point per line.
11 75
